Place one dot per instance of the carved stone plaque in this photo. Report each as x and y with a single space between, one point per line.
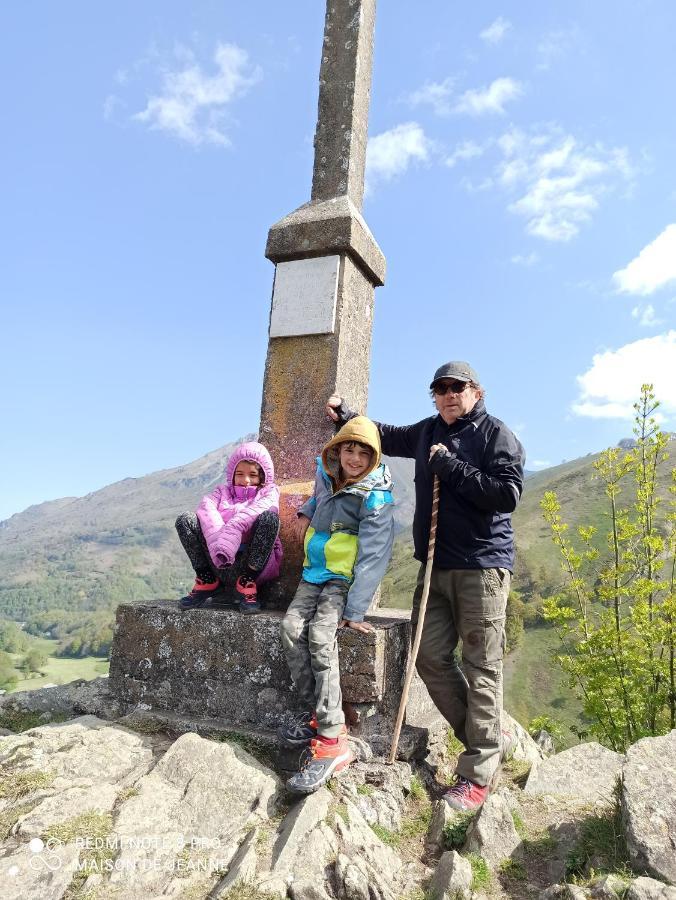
304 297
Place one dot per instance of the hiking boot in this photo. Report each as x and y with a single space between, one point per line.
200 593
300 732
465 794
245 587
320 763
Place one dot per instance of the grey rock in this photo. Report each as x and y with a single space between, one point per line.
525 748
452 877
608 887
196 805
649 806
308 890
585 773
302 819
442 816
491 833
649 889
37 874
76 698
354 881
242 867
545 742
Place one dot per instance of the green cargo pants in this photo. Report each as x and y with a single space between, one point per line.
309 640
468 605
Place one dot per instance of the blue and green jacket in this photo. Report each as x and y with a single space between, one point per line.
350 535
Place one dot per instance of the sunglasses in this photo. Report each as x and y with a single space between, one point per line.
455 387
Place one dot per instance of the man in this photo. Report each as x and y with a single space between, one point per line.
480 467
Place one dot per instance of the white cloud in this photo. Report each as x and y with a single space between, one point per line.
465 150
391 153
435 94
192 103
491 99
646 315
495 31
653 268
528 260
555 46
612 385
563 180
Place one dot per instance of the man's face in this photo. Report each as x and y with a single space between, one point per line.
458 398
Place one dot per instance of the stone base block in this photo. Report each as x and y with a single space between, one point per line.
217 664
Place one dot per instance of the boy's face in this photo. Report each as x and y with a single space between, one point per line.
247 474
354 459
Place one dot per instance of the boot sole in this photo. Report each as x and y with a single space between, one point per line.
340 763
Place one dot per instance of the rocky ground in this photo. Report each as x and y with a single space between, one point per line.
97 805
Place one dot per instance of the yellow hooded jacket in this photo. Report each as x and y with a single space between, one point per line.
351 522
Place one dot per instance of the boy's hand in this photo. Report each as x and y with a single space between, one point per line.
434 449
364 627
331 404
299 527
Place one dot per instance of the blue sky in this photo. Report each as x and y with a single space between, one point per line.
521 184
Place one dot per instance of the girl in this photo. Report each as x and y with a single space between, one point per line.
234 535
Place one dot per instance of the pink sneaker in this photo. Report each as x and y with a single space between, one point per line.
465 794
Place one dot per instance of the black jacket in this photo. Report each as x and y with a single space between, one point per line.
481 480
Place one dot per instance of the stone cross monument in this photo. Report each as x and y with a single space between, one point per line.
327 265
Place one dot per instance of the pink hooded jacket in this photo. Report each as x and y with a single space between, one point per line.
228 513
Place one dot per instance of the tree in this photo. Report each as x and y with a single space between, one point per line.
34 661
8 674
616 618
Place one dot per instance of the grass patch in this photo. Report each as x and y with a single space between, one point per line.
93 861
453 746
253 746
517 770
388 837
143 725
87 825
61 669
246 890
14 785
366 790
340 810
602 843
481 874
20 720
519 823
513 869
127 794
455 833
10 816
417 789
417 824
541 846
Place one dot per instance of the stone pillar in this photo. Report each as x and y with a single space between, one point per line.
327 265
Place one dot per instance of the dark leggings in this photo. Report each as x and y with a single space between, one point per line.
252 559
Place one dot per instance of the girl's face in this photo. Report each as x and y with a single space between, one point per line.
247 474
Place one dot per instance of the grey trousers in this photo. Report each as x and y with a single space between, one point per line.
468 605
309 640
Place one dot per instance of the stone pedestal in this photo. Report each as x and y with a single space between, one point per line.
217 664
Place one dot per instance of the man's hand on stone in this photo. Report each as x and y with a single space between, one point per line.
299 527
364 627
331 404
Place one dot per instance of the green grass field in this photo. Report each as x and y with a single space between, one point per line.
60 670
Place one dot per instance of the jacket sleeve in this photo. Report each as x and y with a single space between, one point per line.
396 440
495 488
376 536
225 543
211 521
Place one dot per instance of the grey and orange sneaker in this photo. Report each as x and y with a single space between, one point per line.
321 761
200 593
300 732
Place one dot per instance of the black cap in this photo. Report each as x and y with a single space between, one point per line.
458 369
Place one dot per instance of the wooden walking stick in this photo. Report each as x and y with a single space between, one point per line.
421 619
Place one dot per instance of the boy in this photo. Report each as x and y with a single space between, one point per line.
348 529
